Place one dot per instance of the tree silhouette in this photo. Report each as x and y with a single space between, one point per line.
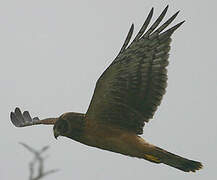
37 164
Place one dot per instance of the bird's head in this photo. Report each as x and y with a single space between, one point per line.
69 125
61 127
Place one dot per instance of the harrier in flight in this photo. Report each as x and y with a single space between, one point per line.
126 97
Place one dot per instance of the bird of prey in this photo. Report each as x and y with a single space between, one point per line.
126 97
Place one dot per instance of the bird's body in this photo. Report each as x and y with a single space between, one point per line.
129 144
118 140
114 139
126 97
111 138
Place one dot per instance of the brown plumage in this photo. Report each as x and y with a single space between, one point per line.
126 96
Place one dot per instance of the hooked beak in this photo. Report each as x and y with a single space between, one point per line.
56 134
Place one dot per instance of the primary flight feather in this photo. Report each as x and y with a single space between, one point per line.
126 96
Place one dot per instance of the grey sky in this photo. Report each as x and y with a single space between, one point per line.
52 53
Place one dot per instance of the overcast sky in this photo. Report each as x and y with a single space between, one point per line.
52 53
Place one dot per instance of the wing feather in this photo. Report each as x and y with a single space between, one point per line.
20 119
129 91
157 22
144 26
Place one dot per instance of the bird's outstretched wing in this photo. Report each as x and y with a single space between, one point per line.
128 92
20 119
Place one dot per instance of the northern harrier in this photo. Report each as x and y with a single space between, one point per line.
126 96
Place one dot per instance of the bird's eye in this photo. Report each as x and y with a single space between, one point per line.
62 127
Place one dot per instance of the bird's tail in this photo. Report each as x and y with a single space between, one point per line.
159 155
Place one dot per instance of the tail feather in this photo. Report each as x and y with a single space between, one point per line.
173 160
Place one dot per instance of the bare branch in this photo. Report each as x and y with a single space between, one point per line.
38 159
